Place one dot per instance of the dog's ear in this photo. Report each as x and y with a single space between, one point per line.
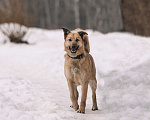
82 33
66 32
86 40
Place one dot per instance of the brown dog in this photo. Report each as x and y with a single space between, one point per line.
79 68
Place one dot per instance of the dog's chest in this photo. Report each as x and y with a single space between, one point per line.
75 70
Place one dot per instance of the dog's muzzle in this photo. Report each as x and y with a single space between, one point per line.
73 49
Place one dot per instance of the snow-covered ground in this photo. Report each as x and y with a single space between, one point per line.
33 85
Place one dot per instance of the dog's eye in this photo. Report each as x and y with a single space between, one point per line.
77 40
70 40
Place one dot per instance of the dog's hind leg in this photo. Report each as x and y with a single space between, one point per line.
93 85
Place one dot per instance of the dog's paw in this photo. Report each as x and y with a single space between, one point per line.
81 111
71 106
94 108
75 108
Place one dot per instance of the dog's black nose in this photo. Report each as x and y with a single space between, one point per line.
73 46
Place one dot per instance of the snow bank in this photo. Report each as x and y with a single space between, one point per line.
22 100
126 94
33 86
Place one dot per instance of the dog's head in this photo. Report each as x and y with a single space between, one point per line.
74 43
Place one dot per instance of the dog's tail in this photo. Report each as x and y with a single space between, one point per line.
86 40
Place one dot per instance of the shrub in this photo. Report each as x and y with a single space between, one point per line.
14 31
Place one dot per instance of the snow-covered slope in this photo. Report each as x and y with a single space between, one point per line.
33 86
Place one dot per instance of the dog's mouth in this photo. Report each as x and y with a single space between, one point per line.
73 49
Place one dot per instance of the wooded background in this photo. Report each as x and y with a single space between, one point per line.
102 15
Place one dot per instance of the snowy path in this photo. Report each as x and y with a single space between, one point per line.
33 86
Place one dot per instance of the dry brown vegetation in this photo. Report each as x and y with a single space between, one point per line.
15 32
14 16
13 11
136 16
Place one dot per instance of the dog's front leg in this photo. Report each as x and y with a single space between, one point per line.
72 96
83 98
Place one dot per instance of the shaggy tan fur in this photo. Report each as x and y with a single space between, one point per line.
79 70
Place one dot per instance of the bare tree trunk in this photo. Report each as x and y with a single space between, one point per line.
40 19
88 19
96 16
48 15
56 13
42 22
35 10
25 9
4 4
77 15
88 16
